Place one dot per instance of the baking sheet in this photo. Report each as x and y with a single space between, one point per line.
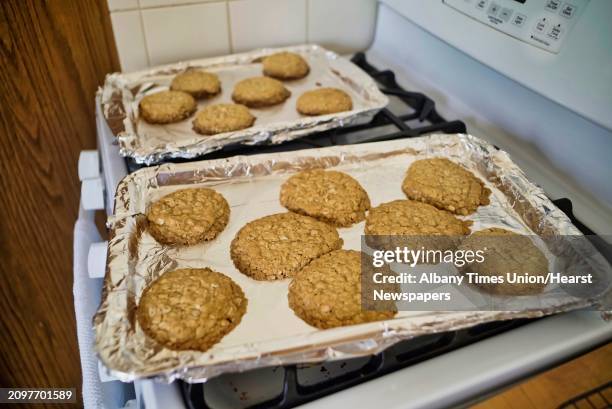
270 333
149 143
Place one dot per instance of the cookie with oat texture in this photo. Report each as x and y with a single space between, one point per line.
327 195
220 118
188 216
166 107
445 185
327 292
278 246
259 92
197 83
285 66
324 101
191 309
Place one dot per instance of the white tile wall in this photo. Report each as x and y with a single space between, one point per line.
130 40
342 25
114 5
152 32
161 3
186 32
263 23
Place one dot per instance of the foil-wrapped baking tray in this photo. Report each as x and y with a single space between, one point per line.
147 143
270 333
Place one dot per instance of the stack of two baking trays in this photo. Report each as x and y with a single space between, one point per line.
375 142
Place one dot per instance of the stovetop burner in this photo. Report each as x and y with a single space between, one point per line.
292 385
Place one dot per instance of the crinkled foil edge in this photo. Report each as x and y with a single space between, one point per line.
113 323
116 96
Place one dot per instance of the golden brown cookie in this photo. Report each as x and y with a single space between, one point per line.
166 107
408 217
260 92
277 246
413 224
324 101
285 66
221 118
445 185
328 195
506 252
199 84
191 308
327 292
188 216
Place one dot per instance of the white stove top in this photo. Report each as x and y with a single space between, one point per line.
454 378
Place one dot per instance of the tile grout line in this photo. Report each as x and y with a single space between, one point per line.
307 16
144 35
229 27
166 6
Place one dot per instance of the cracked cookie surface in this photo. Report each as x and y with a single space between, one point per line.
166 107
414 224
220 118
277 246
409 217
197 83
191 309
327 195
285 66
259 92
327 292
445 185
506 252
188 216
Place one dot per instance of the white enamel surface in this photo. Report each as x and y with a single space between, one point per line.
341 25
560 150
185 32
267 23
579 77
130 40
150 32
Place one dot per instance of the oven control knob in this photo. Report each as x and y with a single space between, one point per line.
92 194
89 165
96 259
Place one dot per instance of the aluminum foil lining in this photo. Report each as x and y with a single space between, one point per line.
270 334
147 143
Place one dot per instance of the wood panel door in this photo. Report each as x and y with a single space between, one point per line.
54 55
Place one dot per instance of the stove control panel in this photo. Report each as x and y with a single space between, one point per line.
542 23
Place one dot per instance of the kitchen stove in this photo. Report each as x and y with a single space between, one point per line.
409 114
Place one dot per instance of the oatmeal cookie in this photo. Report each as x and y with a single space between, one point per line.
445 185
260 92
285 66
327 292
191 309
188 216
408 217
199 84
277 246
221 118
323 101
328 195
414 224
166 107
506 252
